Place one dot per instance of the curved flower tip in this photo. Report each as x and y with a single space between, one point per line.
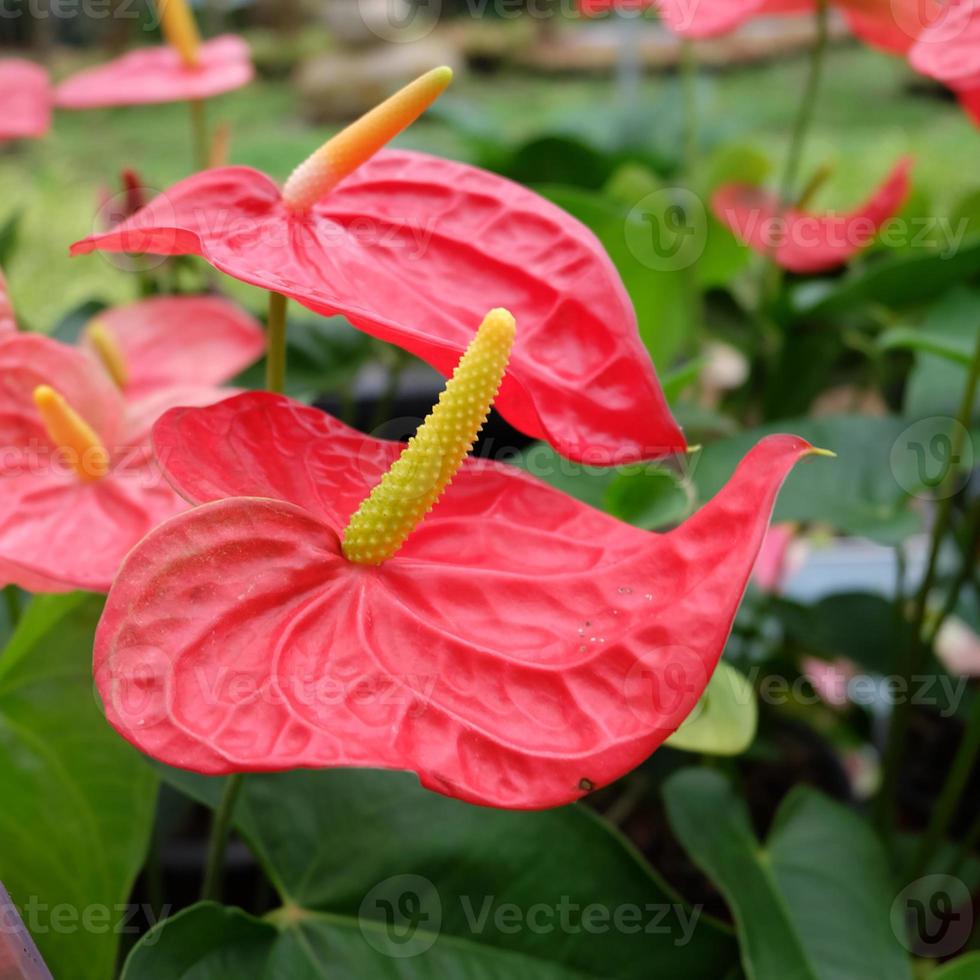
78 494
519 650
25 100
160 74
380 249
803 242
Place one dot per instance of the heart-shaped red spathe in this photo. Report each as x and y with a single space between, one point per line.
25 100
169 341
808 243
519 650
413 249
159 74
58 532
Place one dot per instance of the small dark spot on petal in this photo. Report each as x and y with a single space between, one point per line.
586 784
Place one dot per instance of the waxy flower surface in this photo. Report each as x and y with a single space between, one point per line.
78 490
25 100
803 242
513 647
407 247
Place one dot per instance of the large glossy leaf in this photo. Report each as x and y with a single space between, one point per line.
812 902
867 490
944 343
76 805
356 843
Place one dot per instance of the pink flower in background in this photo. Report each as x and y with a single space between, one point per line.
890 25
949 51
160 74
174 350
958 647
804 242
781 555
25 100
79 482
78 489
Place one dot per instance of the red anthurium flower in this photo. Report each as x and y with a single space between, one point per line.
516 648
173 350
407 247
78 490
949 51
186 70
25 100
153 75
891 25
802 242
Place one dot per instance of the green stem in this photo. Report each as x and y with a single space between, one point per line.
218 844
917 646
199 127
12 600
772 274
689 88
275 364
804 116
949 798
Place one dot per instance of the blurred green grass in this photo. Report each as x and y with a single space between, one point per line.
868 114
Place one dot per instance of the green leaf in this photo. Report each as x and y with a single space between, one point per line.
965 968
908 338
78 802
358 846
212 942
898 280
579 480
949 329
651 498
813 902
865 491
725 719
948 335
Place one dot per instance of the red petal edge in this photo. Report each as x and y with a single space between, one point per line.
522 650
